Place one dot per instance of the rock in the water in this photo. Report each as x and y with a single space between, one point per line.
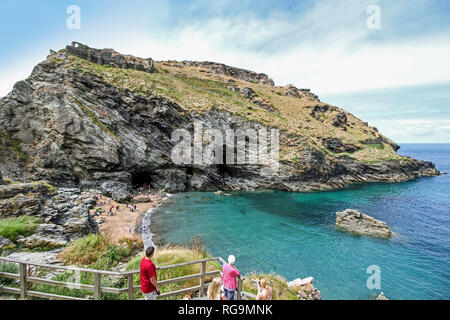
1 179
300 282
381 296
357 222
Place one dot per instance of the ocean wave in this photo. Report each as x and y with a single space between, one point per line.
147 235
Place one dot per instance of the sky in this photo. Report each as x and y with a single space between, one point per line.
395 76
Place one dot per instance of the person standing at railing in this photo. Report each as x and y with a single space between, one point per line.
149 279
229 275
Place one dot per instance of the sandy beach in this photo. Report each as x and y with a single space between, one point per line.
124 219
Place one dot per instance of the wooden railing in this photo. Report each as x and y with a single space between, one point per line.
25 277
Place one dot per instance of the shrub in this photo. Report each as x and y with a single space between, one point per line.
11 228
8 267
85 251
99 252
67 276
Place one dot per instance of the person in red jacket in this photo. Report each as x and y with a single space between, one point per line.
149 279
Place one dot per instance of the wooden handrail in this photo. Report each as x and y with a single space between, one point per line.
97 288
68 268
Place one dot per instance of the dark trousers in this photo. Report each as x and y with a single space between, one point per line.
229 294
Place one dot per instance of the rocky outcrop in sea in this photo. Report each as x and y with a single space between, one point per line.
355 221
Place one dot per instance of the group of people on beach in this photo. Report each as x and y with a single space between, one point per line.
223 288
113 209
141 190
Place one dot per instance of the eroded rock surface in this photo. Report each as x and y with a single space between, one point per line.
336 145
305 289
355 221
238 73
110 57
64 212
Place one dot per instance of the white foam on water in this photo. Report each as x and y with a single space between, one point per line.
147 235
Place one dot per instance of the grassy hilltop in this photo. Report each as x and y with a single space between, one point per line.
195 88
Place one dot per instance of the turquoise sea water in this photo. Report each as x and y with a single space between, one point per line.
293 234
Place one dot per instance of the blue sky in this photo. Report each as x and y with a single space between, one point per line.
391 77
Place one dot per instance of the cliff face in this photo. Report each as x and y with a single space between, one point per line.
108 124
110 57
64 212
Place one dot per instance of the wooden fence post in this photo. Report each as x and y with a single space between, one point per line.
97 286
23 280
130 287
202 279
26 281
239 289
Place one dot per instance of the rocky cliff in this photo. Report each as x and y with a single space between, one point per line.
64 212
110 57
95 118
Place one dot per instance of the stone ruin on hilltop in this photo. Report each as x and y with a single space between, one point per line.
110 57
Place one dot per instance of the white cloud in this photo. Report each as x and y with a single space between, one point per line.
11 76
417 130
325 49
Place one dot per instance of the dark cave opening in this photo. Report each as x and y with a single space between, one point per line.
141 178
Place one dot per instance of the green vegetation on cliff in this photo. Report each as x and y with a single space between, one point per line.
98 252
198 89
11 228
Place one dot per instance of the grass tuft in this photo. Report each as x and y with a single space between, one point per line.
99 252
11 228
280 290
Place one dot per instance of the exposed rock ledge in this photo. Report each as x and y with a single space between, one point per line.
305 289
64 212
234 72
110 57
357 222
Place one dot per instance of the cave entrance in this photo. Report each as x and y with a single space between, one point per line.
141 178
226 167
